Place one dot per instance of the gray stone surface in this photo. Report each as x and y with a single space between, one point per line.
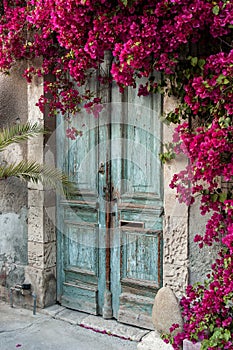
152 341
166 311
188 345
175 254
200 260
20 329
73 317
114 328
96 323
175 229
13 199
53 310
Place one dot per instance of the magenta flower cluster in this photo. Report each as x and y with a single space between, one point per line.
207 309
191 43
72 35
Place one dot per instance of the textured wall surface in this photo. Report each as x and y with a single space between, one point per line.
13 199
27 234
200 260
41 269
184 261
175 230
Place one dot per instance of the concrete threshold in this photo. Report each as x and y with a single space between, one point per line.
96 323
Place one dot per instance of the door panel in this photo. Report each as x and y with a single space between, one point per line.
137 207
78 219
110 232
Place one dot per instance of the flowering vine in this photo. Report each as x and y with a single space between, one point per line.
191 43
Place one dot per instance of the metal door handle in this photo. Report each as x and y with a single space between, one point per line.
101 168
108 189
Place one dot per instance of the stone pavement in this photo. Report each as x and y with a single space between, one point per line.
57 328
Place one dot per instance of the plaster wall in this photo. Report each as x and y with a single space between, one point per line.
13 199
200 260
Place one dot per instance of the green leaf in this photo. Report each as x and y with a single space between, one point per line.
222 197
206 84
194 61
35 172
18 133
129 59
214 197
221 78
227 335
216 10
201 63
30 170
124 2
225 81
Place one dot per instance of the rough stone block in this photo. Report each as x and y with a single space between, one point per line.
13 197
188 345
35 198
50 286
49 254
175 268
49 225
35 224
176 277
35 186
166 311
35 150
200 260
73 317
43 284
41 224
53 310
36 254
176 240
113 327
152 341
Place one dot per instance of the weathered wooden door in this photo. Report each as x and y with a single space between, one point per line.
110 233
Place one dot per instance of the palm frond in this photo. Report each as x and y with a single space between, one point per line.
35 172
18 133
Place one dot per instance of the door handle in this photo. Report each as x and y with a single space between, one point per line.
108 189
101 169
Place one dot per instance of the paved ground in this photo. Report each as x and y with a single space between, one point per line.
57 328
19 329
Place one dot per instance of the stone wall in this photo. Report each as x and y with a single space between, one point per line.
13 199
175 230
184 262
27 233
200 260
41 269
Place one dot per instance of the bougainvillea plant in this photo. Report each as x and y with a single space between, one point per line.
191 43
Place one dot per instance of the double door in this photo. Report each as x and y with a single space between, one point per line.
110 231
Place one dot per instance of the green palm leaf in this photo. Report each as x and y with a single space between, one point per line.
35 172
18 133
30 170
